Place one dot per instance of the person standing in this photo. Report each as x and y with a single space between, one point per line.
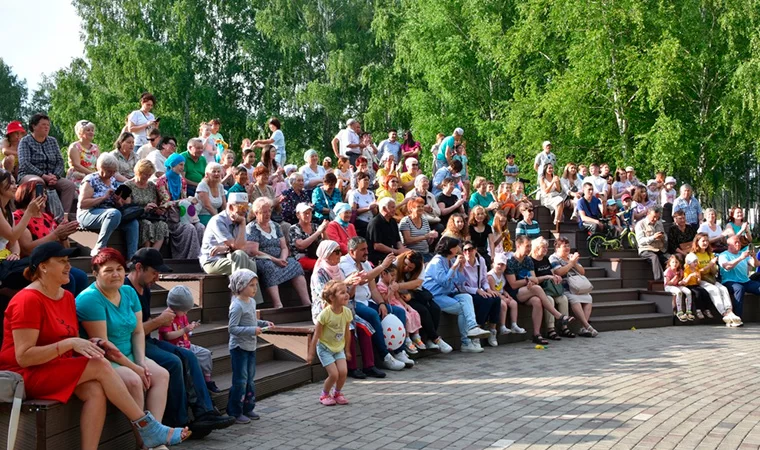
546 156
445 154
141 122
347 142
390 146
689 205
277 140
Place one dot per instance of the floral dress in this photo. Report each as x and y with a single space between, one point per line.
88 158
269 273
185 238
150 231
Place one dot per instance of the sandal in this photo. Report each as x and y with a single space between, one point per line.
585 333
537 339
564 320
681 316
565 332
700 316
552 334
153 433
689 316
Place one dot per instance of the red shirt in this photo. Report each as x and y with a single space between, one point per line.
178 323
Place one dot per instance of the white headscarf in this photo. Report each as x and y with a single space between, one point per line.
240 280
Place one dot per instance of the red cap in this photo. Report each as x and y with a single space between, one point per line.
13 127
625 197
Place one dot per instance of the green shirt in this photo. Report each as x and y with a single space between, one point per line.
237 187
194 171
93 306
478 200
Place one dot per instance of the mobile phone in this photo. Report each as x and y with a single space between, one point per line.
263 329
158 119
123 191
39 190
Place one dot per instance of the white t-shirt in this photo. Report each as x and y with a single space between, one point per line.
347 136
158 160
600 184
705 228
361 201
216 202
138 118
543 158
362 294
145 150
309 174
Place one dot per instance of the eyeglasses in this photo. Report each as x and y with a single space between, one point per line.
467 249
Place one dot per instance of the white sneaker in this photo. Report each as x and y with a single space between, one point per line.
728 320
476 343
392 363
504 330
444 346
432 345
516 329
404 358
736 319
471 348
492 341
478 332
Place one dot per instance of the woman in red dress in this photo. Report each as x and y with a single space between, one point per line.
41 342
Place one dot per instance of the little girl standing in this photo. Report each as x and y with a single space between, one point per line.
673 280
387 288
497 281
331 341
243 328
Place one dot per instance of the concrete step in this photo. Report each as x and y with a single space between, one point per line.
619 253
605 283
628 321
614 295
286 314
211 334
622 308
271 377
595 272
223 364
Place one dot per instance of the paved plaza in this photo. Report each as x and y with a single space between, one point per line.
676 387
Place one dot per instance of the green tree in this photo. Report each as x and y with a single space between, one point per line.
13 94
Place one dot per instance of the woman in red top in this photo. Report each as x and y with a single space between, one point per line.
41 342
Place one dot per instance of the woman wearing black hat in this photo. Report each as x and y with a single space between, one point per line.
41 342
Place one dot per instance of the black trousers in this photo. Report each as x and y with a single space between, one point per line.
430 312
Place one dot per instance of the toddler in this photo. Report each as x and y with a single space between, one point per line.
511 171
180 300
518 196
497 281
673 279
243 327
331 341
389 290
668 194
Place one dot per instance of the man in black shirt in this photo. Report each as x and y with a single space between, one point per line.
382 232
448 202
145 267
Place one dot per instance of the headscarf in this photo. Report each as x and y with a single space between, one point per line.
240 279
339 209
174 179
308 154
325 249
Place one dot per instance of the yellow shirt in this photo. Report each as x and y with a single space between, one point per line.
686 272
334 328
704 259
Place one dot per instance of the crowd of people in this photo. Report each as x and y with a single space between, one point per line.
372 236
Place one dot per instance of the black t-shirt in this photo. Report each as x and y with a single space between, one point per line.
384 232
480 240
144 300
542 267
448 201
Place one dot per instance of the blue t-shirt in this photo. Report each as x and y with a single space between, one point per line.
521 270
93 306
446 144
592 210
511 170
739 274
279 142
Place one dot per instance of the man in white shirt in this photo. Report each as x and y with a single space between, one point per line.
158 157
370 305
390 146
153 140
596 180
543 158
347 142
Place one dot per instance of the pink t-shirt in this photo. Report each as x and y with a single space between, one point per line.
670 273
178 323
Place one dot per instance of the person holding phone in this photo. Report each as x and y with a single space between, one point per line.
142 121
99 206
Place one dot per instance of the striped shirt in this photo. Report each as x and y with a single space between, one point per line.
407 225
531 230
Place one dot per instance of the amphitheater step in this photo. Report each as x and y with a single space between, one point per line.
286 314
628 321
223 363
271 377
620 308
614 295
603 283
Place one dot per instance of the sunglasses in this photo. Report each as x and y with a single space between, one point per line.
467 249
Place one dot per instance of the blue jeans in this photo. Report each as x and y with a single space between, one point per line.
281 158
370 314
178 361
738 290
242 397
459 305
487 309
105 221
77 281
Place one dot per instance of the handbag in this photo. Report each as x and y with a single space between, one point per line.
54 205
131 212
579 284
552 289
327 202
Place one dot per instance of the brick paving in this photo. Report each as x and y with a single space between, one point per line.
663 388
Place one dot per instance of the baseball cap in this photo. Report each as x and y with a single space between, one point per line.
625 197
501 258
458 131
43 252
14 127
670 180
150 257
629 169
651 182
545 144
611 202
303 206
237 197
691 258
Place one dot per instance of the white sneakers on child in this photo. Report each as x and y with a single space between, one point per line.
732 320
404 358
444 346
392 363
492 341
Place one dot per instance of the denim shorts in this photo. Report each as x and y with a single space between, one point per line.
327 356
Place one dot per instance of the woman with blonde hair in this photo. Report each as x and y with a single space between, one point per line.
210 193
457 227
153 227
83 154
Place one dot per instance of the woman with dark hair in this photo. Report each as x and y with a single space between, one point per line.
641 203
41 229
99 206
552 195
409 148
261 188
125 156
277 141
40 157
362 166
738 226
325 197
142 121
481 233
110 311
276 171
41 343
486 301
409 281
442 277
